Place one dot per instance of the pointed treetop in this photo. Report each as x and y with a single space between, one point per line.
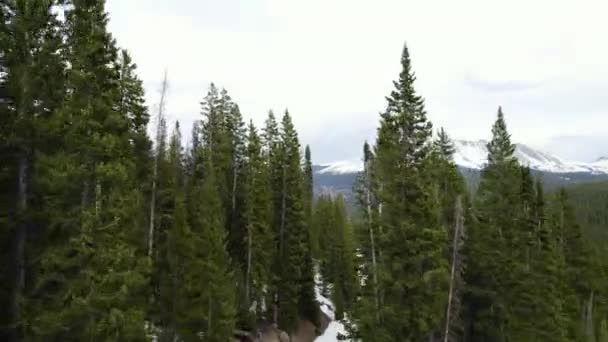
287 121
307 153
405 55
444 145
271 115
500 148
367 152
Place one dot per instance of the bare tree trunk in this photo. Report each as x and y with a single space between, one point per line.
210 312
455 256
249 257
159 119
283 209
589 317
97 198
281 236
20 238
234 180
372 239
20 235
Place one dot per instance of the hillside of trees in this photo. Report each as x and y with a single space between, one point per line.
590 201
108 234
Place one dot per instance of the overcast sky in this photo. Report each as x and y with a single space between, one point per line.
331 62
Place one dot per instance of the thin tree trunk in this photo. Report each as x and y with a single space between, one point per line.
234 180
281 237
283 209
20 238
97 199
589 317
159 118
209 317
455 252
368 201
249 257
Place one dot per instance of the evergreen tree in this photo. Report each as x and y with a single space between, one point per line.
92 201
169 225
295 286
367 309
31 89
338 256
257 220
132 103
577 272
450 192
412 269
490 241
208 310
272 152
314 235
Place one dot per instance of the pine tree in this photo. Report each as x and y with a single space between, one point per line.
272 152
170 192
368 305
413 271
546 261
31 89
577 271
491 241
132 103
486 248
314 235
338 257
237 151
208 310
92 201
295 285
453 213
257 220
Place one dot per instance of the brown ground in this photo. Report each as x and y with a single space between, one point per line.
306 332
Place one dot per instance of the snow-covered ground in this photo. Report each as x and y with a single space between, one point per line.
335 328
331 333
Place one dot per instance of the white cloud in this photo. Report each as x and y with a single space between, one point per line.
332 62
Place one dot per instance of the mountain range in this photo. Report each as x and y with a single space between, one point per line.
471 156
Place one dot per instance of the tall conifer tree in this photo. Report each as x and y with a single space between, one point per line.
257 218
413 271
93 188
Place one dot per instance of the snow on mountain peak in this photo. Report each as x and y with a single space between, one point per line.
341 167
474 155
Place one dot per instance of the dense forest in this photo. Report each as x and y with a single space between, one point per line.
110 234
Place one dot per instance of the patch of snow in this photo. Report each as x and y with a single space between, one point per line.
341 167
335 328
332 332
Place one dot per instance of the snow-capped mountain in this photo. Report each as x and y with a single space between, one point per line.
340 167
473 155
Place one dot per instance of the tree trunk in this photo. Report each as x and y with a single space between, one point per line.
455 256
281 238
283 209
20 237
249 257
372 239
589 317
234 180
159 118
